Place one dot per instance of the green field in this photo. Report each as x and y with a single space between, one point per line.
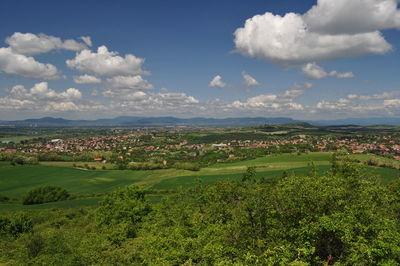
15 181
379 159
18 139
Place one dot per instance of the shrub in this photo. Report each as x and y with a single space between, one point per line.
121 213
4 224
50 157
45 194
16 225
34 245
187 166
21 160
4 198
17 160
145 166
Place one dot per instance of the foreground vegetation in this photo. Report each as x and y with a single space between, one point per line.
87 186
340 217
270 195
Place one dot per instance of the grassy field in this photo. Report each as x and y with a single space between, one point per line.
386 175
18 139
15 181
98 165
185 181
81 202
379 159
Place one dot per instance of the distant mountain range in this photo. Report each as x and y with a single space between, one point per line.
132 121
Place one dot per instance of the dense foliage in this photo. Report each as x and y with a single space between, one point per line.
339 218
15 225
45 194
336 218
121 213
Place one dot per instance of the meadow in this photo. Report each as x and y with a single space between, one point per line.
88 186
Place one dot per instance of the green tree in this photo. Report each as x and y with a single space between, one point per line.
249 175
45 194
121 213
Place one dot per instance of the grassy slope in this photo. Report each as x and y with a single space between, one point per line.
386 175
15 181
380 159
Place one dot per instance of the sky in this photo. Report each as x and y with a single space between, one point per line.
279 58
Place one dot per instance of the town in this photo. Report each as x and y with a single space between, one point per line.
159 148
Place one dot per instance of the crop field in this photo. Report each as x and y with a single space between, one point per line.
18 139
379 159
89 185
16 180
97 165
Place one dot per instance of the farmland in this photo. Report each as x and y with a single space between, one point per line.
161 195
85 184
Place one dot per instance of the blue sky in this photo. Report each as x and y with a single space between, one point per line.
307 59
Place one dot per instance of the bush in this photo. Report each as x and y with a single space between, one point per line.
121 213
187 166
45 194
50 157
4 198
145 166
16 225
17 160
34 245
21 160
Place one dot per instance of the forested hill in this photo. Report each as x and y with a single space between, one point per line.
148 121
129 121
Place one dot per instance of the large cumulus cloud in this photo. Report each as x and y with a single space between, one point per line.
106 63
329 30
31 44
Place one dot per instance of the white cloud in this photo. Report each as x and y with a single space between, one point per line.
40 98
125 95
249 81
345 75
352 16
175 98
156 103
381 96
314 71
26 66
297 39
392 103
307 85
106 63
217 82
274 102
41 91
292 94
86 79
31 44
87 40
60 107
127 87
359 106
261 99
129 82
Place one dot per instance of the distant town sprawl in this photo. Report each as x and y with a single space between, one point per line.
152 148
